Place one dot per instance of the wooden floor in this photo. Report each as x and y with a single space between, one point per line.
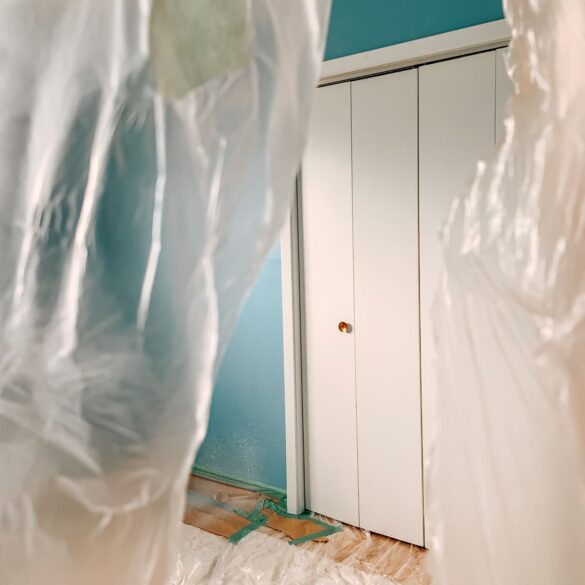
402 563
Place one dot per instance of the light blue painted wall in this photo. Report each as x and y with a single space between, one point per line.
246 433
363 25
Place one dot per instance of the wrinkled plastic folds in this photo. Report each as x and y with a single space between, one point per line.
508 479
267 555
205 559
147 156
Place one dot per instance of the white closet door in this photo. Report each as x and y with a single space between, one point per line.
385 182
330 408
504 89
457 129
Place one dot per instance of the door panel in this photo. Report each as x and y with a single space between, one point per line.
457 129
504 89
329 401
385 187
415 138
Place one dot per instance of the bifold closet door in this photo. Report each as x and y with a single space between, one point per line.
504 89
385 214
329 354
457 129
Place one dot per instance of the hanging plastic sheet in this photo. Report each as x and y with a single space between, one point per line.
508 480
147 160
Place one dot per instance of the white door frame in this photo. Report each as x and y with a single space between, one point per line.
293 372
458 43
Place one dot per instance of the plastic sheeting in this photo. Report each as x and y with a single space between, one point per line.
260 560
508 490
147 158
355 555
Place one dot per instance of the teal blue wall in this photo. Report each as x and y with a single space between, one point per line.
363 25
246 434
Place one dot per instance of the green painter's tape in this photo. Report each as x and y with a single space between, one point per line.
256 518
234 481
327 529
276 504
322 534
260 520
251 516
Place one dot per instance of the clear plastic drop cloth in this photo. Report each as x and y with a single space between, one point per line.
206 559
347 556
148 150
507 484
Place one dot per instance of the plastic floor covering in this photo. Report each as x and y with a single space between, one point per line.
259 559
265 556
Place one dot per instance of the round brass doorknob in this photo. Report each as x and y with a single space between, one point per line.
344 327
